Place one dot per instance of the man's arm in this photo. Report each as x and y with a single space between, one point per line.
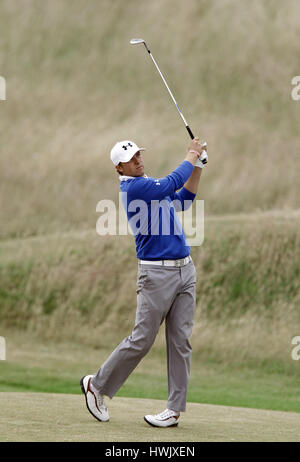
193 181
149 189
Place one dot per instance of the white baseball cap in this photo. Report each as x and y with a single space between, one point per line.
123 151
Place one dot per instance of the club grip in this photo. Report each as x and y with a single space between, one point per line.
204 161
190 132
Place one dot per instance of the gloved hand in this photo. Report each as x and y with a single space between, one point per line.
203 158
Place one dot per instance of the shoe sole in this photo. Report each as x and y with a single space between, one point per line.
158 426
83 391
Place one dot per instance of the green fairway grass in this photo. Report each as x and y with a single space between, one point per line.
59 417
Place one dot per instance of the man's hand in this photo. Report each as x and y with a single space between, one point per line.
196 153
196 150
203 158
195 145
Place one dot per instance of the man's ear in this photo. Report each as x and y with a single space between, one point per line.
119 168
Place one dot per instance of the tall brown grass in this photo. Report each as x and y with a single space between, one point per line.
75 86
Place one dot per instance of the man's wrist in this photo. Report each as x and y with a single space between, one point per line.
192 157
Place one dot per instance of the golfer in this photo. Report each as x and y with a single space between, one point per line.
166 279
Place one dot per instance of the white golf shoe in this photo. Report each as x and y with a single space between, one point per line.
166 418
94 400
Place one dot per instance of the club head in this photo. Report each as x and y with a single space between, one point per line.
136 41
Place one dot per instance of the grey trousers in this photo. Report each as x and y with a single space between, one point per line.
164 293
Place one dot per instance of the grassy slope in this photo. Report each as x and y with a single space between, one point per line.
75 285
75 86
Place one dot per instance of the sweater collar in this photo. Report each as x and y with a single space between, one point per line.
125 178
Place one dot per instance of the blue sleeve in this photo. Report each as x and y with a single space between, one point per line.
150 189
182 199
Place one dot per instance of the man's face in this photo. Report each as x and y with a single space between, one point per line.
135 167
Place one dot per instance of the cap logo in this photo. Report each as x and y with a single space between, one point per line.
126 146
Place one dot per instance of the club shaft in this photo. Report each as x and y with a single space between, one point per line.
170 93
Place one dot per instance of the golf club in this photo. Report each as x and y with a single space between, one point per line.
136 41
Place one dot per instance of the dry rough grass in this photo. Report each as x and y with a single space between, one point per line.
75 86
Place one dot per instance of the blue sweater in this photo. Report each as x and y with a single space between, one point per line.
151 205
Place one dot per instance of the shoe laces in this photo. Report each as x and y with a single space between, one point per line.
100 400
166 414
